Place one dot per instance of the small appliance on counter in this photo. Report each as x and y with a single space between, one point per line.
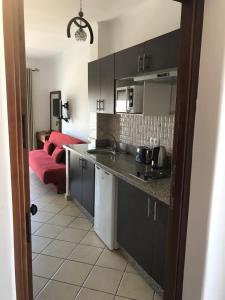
144 155
156 156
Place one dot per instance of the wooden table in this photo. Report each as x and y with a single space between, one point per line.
41 137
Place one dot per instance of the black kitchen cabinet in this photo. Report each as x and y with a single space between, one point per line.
101 89
94 85
129 62
142 229
161 52
82 181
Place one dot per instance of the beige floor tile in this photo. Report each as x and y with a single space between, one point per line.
39 243
48 230
35 226
73 272
60 249
72 211
34 255
131 269
157 297
72 235
82 215
58 291
104 280
61 220
46 266
42 216
38 284
86 254
93 240
52 207
87 294
112 259
81 223
133 286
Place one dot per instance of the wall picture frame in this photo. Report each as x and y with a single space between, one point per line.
55 111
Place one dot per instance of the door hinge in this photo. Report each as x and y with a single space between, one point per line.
28 227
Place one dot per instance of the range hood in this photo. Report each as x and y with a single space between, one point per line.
168 75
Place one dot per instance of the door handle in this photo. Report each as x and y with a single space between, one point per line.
33 209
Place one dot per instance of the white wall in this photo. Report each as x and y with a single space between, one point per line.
72 80
44 82
7 268
139 24
205 251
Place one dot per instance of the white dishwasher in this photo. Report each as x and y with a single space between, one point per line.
105 222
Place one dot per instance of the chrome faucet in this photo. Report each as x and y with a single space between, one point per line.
114 147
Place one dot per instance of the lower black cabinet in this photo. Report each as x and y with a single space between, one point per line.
142 229
82 181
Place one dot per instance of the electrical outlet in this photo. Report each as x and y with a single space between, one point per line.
156 142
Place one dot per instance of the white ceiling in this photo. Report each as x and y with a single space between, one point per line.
46 21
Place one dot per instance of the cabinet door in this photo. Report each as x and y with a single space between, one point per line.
93 85
88 186
75 177
160 241
162 52
129 62
107 86
135 228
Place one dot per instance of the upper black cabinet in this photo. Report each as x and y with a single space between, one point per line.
156 54
101 85
142 229
161 52
129 62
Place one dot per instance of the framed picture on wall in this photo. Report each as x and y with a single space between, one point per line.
55 111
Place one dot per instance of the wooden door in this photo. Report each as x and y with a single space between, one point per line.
88 186
75 177
128 62
13 26
107 86
93 85
162 52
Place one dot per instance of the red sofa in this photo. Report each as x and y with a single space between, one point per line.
46 168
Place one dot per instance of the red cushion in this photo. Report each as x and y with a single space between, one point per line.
48 147
57 154
60 139
46 168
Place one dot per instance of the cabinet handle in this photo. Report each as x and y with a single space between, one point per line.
139 61
106 173
102 102
148 207
84 163
143 63
155 211
80 162
98 168
97 105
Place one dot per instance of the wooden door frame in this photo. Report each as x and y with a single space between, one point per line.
188 70
15 66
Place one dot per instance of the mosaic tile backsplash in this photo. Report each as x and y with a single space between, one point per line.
137 129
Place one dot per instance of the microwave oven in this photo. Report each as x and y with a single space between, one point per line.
129 99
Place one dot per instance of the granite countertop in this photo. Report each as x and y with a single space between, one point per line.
122 165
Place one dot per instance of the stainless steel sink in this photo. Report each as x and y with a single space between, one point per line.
101 151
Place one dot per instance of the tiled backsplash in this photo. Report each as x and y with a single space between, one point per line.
136 129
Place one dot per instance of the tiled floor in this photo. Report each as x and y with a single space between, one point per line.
70 262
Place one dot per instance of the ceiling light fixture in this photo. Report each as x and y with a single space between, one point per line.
81 23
